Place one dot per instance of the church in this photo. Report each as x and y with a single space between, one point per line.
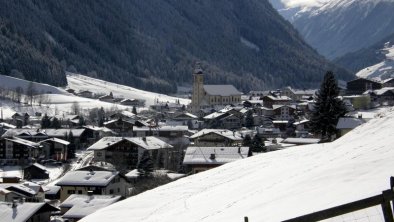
211 96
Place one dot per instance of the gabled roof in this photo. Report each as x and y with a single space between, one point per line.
6 125
48 132
56 140
87 178
225 133
39 166
301 141
83 205
349 123
215 115
189 115
277 98
149 142
23 211
384 90
274 107
221 155
221 90
23 142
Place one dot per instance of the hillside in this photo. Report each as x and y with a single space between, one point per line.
337 27
154 44
366 57
301 180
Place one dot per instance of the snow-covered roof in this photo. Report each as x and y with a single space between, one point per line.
278 98
22 212
302 180
101 129
221 90
301 122
24 188
83 205
221 132
149 142
51 190
301 140
23 142
47 132
133 174
214 155
382 91
187 115
39 166
7 125
349 122
56 140
87 178
280 106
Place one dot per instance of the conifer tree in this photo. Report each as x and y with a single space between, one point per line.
328 108
45 122
249 121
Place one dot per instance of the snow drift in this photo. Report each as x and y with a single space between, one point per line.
273 186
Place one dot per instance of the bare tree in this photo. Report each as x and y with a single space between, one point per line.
30 92
75 108
18 93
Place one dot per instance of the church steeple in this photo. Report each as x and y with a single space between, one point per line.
198 88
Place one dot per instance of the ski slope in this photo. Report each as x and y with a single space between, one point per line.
81 82
382 69
275 186
7 82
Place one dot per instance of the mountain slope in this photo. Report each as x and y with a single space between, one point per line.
366 57
337 27
154 44
274 186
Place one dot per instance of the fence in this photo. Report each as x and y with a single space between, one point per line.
384 200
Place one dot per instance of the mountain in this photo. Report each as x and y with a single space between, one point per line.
154 44
363 58
337 27
301 179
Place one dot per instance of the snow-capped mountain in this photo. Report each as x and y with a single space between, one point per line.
337 27
275 186
382 70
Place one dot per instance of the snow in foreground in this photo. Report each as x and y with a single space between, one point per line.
273 186
80 82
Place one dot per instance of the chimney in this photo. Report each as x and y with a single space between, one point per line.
213 156
14 203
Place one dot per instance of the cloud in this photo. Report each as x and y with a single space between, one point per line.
303 3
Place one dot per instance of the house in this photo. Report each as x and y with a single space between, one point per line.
94 133
86 94
216 137
302 128
346 124
130 102
20 211
128 151
35 171
120 126
16 150
360 85
275 99
55 148
268 131
298 94
383 96
388 82
126 115
79 135
100 182
209 96
78 206
199 159
52 192
5 126
185 119
224 119
284 112
107 98
29 191
359 101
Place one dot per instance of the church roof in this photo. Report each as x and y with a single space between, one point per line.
221 90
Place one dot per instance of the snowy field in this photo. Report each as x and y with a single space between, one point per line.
381 69
7 82
275 186
80 83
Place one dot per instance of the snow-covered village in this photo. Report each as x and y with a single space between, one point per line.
141 118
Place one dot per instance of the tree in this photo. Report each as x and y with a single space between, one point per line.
75 108
257 144
45 122
328 108
31 91
290 128
134 111
145 165
55 123
249 121
71 146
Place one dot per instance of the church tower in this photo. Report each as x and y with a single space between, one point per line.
198 89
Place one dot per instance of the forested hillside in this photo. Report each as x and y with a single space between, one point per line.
365 57
154 44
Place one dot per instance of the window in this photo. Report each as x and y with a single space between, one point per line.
70 191
99 154
118 190
79 191
111 191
